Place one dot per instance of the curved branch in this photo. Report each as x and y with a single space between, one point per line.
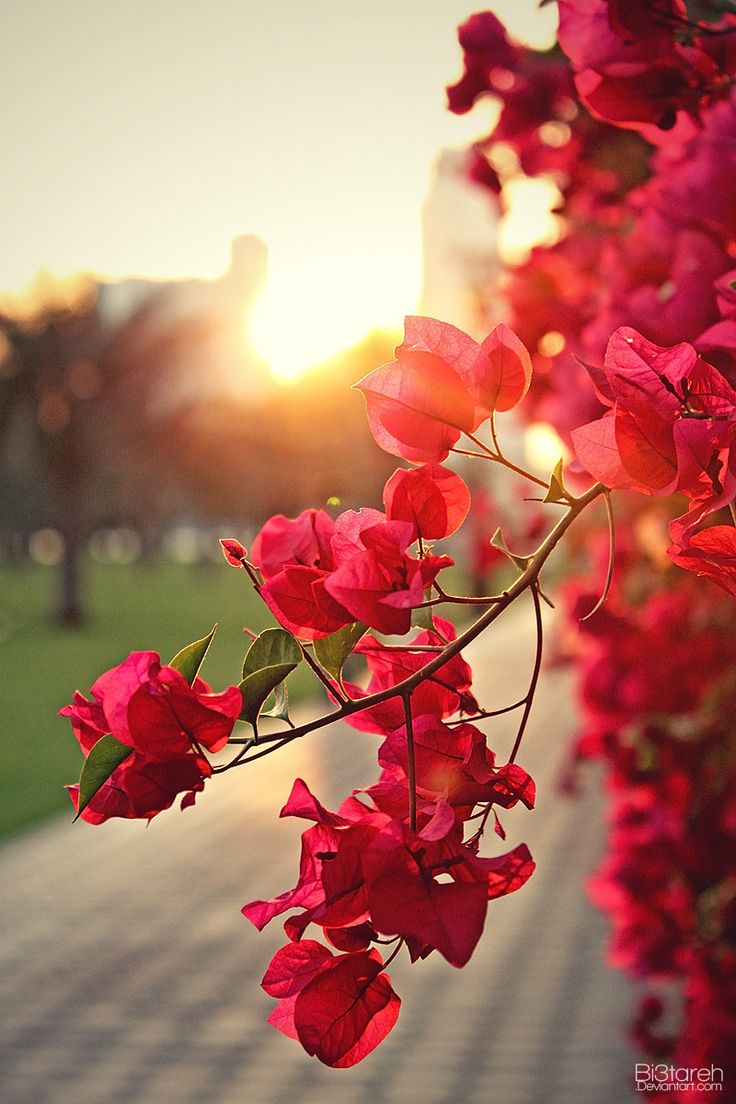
529 700
524 581
611 556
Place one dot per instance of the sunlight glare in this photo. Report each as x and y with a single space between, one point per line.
307 313
544 447
528 219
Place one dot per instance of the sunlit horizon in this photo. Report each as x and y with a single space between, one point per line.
147 138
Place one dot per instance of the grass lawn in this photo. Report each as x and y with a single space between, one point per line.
160 607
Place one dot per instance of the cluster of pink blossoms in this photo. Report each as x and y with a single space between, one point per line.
671 427
397 863
164 725
661 720
394 864
638 64
646 254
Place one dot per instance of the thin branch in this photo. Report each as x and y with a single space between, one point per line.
732 511
611 555
459 600
332 689
524 581
267 751
494 434
489 452
411 763
522 472
393 954
239 758
483 713
535 675
501 458
477 455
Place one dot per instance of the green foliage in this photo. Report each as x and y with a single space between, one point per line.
499 541
280 708
133 606
189 660
557 490
332 651
272 656
107 754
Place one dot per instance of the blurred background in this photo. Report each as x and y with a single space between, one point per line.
214 221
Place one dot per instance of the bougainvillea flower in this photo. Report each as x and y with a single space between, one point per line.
321 575
154 710
88 720
299 601
711 553
487 54
320 848
454 762
640 64
303 540
165 721
509 872
408 899
382 584
295 556
338 1007
433 499
673 425
233 551
593 35
502 371
442 384
141 787
440 695
434 888
417 407
346 1010
367 865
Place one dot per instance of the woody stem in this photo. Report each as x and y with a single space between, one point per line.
411 764
526 579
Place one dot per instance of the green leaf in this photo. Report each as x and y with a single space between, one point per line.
422 618
498 541
271 647
280 708
106 755
272 656
557 490
332 651
189 660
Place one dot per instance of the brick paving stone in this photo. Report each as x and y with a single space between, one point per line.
128 976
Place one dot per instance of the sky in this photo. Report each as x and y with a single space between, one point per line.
140 138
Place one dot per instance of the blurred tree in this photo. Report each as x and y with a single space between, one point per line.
102 423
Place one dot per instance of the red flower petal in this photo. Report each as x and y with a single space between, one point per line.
503 370
434 499
711 553
417 406
597 450
294 596
343 1013
233 551
293 966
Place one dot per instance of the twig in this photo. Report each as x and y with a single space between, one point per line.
535 675
411 763
526 579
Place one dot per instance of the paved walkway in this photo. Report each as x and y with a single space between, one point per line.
128 975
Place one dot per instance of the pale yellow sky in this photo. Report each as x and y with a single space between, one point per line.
139 138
